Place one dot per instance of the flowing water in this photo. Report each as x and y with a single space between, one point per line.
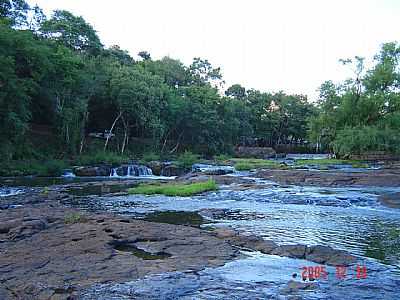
351 219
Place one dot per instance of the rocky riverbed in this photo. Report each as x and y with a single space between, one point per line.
249 239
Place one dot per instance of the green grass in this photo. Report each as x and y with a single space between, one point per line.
74 218
244 164
221 158
325 162
175 189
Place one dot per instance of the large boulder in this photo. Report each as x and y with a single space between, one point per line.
173 170
255 152
156 166
90 171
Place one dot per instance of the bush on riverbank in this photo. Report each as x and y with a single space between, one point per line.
175 189
187 159
33 167
101 157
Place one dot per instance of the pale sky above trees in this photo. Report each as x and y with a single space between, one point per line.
290 45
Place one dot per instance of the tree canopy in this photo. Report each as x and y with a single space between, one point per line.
57 76
363 113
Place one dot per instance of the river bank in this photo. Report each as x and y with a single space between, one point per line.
83 239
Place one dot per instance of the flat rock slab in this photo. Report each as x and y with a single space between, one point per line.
43 257
384 177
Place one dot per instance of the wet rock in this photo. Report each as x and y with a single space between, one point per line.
296 286
383 177
25 228
213 170
91 171
327 255
6 226
156 167
224 233
39 257
213 213
173 170
390 200
266 247
252 242
176 217
293 251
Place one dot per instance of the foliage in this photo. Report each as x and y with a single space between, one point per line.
101 157
173 189
71 31
150 156
221 158
361 114
187 159
57 74
358 140
32 167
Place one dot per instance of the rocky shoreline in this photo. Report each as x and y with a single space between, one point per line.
387 177
50 251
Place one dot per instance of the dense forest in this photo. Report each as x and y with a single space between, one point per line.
60 88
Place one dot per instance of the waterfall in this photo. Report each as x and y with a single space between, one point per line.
114 172
131 171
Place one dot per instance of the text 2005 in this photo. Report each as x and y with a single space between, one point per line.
314 272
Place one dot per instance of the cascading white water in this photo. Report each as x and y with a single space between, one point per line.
114 172
131 171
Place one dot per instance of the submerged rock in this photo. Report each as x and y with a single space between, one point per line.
318 254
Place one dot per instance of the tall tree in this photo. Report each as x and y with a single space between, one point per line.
72 31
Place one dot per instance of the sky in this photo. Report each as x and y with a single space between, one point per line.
269 45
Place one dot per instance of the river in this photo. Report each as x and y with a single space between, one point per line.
351 219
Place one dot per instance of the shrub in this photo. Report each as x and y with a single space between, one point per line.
221 157
32 167
187 159
102 157
151 156
363 139
52 168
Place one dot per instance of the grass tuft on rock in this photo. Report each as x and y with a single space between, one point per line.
175 189
74 218
331 161
244 164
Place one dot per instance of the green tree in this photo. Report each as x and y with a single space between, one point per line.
72 31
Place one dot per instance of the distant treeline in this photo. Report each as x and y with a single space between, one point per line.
55 73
